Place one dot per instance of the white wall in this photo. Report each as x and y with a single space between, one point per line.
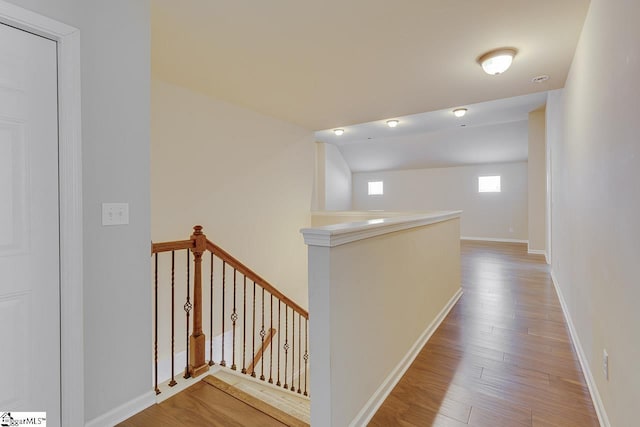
486 215
245 177
337 180
537 182
115 136
596 200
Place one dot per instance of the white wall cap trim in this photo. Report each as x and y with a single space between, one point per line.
339 234
380 213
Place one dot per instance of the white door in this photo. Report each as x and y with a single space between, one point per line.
29 228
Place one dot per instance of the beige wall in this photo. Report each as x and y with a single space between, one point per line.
487 215
337 180
245 177
537 182
596 200
333 179
370 302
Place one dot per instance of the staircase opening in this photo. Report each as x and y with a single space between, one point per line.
214 314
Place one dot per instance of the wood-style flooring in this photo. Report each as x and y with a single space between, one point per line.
211 402
502 357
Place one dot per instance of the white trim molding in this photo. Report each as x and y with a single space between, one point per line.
377 399
494 239
340 234
70 199
582 358
124 411
537 252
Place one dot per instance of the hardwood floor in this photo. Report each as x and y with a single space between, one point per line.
208 403
503 356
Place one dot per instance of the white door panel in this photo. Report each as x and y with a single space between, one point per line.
29 226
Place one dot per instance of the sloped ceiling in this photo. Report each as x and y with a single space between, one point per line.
490 132
334 63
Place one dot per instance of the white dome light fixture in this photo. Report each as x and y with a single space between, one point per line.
338 132
392 123
459 112
497 61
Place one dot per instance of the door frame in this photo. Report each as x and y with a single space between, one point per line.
70 202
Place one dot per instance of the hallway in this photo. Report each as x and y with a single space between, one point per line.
502 357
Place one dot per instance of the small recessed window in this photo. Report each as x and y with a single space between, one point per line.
489 184
376 188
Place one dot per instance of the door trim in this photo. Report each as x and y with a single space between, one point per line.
70 196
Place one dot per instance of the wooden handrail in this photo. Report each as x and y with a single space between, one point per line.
233 262
172 246
251 275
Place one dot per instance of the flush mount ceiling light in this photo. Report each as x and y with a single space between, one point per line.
338 132
392 123
497 61
459 112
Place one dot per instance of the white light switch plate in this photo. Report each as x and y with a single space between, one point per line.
115 213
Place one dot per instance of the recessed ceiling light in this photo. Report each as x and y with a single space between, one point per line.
540 79
338 132
459 112
497 61
392 123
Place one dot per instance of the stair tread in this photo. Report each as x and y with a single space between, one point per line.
291 410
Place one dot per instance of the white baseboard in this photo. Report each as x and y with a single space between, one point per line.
380 395
582 358
537 252
494 239
124 411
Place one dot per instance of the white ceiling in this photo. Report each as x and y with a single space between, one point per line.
354 64
333 63
490 132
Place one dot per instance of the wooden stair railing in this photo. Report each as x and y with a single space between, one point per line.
243 315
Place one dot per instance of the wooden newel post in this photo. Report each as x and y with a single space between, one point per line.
197 363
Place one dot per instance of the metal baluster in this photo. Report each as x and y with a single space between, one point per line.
306 354
187 309
244 326
157 390
211 363
253 333
173 298
224 281
293 349
271 343
279 333
299 351
262 335
286 342
234 317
